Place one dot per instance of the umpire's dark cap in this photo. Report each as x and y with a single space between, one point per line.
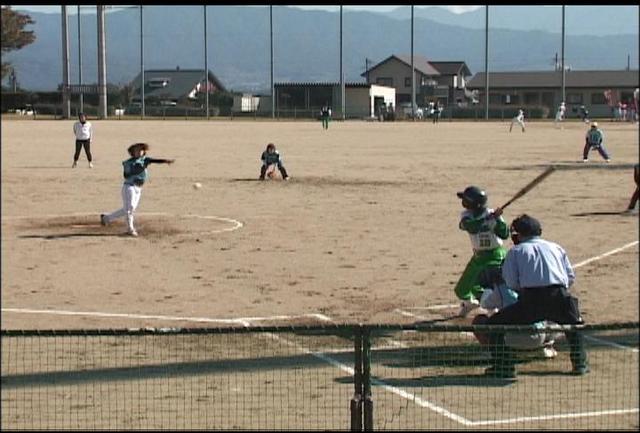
526 226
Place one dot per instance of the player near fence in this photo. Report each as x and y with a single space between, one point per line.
583 113
486 230
437 111
636 194
519 119
560 114
594 140
83 131
271 160
135 175
542 274
325 116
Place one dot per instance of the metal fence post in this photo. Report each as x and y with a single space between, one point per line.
366 379
356 401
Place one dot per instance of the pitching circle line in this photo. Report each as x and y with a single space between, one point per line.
236 224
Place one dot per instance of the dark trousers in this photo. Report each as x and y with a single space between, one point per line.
600 148
553 303
283 171
87 149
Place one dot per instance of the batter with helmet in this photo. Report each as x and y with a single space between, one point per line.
487 229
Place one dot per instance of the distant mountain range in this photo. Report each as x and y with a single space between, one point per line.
579 20
306 43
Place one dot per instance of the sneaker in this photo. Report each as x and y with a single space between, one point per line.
580 371
549 352
468 306
607 160
90 165
133 233
103 219
585 160
287 178
75 164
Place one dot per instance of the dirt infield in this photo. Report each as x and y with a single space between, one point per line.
366 225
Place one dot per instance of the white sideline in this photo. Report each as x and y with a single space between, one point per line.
564 415
608 253
241 320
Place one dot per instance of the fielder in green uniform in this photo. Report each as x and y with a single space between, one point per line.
486 229
325 115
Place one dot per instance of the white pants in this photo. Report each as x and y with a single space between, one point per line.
130 200
519 122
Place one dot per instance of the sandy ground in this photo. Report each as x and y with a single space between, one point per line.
366 225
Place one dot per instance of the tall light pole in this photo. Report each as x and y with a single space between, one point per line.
562 59
413 74
342 90
102 65
273 95
486 62
80 63
142 110
206 64
66 101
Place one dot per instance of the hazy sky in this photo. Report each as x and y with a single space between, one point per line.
72 9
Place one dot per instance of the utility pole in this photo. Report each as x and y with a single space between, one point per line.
342 89
413 75
66 101
562 59
142 110
80 63
366 68
102 65
486 62
273 96
206 64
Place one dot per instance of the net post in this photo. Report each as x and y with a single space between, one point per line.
356 401
366 379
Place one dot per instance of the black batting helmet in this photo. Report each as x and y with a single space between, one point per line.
473 197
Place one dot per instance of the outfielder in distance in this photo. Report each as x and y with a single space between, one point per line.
84 133
486 229
560 114
325 116
270 160
135 175
519 119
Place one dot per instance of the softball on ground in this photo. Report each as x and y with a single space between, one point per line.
197 185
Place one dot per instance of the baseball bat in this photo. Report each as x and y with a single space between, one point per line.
530 186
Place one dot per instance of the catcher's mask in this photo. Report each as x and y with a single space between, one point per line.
524 227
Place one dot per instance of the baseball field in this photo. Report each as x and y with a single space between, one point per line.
367 224
365 231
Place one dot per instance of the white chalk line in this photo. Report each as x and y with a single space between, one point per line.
608 253
349 370
236 224
240 320
559 416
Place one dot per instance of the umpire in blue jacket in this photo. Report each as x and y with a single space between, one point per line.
540 271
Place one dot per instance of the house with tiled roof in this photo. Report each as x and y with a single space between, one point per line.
174 86
442 80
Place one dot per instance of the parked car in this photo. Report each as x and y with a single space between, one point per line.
27 110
